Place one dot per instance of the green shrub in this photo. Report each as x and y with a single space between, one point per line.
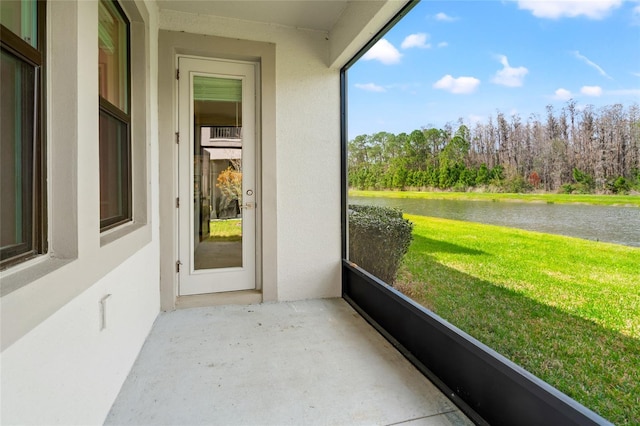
567 188
619 186
584 182
379 237
515 185
635 177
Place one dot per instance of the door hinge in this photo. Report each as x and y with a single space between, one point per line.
178 74
178 263
177 202
177 137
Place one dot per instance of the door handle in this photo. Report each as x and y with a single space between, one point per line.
249 205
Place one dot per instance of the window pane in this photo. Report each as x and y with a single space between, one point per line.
17 114
21 17
114 170
113 56
113 71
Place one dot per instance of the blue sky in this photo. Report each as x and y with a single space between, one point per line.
468 59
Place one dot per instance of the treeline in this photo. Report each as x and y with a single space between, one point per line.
581 151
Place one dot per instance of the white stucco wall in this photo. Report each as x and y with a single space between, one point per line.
308 151
57 366
67 371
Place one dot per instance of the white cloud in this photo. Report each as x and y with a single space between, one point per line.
384 52
370 87
555 9
416 40
509 76
444 17
562 94
443 44
591 90
460 85
595 91
591 64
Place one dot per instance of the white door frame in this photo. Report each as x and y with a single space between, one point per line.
190 280
171 44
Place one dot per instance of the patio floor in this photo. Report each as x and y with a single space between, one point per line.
313 362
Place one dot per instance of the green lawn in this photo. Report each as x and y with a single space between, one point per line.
614 200
225 230
566 309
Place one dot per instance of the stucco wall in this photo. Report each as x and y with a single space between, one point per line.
57 365
307 150
66 371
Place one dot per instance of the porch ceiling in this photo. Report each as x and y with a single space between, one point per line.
348 24
319 15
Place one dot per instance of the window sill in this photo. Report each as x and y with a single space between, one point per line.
25 273
118 232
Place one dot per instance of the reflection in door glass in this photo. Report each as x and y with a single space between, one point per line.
217 172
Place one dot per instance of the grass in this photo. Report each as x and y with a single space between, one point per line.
225 230
606 200
565 309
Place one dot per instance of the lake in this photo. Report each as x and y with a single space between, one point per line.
613 224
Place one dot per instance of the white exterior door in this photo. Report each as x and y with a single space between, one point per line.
216 175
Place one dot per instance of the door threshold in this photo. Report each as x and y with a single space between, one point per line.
244 297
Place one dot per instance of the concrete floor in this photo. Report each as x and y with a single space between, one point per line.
299 363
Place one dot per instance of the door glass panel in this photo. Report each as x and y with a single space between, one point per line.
217 179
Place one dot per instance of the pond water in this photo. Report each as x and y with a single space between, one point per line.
613 224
